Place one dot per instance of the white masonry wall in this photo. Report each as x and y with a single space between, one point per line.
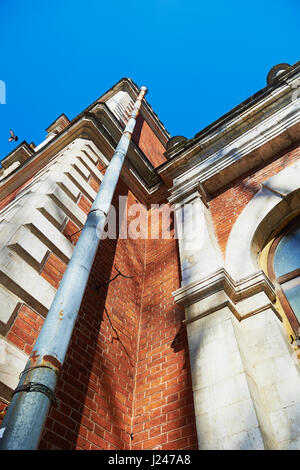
30 228
246 380
225 413
273 377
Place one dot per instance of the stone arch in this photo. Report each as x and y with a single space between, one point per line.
273 205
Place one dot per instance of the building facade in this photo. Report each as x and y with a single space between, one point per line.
187 335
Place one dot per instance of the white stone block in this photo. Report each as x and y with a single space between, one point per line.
204 400
289 445
81 183
12 363
21 279
91 167
293 413
69 187
8 308
28 246
239 417
281 425
289 393
214 362
245 440
50 236
285 369
90 153
53 213
68 206
81 168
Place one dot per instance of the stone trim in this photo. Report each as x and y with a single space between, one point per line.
32 226
245 297
216 158
278 199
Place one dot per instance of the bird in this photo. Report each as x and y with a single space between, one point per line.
12 136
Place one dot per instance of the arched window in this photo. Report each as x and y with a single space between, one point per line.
284 268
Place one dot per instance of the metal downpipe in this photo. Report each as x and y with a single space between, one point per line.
25 418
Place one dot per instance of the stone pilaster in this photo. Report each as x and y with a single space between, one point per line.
246 383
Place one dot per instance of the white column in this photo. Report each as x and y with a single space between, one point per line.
198 250
225 414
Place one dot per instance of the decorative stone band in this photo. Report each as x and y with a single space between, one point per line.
217 157
186 194
244 298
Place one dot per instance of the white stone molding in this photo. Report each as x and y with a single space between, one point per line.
80 182
10 304
129 92
120 104
237 143
247 297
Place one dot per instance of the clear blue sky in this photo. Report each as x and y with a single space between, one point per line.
198 59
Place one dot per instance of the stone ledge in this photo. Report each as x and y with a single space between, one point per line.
18 277
9 307
79 181
29 247
245 297
50 236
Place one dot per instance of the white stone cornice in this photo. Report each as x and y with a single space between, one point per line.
268 126
187 193
245 297
137 171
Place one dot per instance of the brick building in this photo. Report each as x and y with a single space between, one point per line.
193 342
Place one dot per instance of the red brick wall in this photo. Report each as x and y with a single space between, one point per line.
125 383
226 206
163 410
126 380
148 142
96 386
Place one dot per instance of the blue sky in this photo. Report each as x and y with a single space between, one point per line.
198 59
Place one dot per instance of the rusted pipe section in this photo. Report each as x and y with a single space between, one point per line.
24 421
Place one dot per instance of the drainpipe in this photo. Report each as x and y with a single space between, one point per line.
25 418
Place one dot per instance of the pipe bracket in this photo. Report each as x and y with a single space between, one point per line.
36 387
94 210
